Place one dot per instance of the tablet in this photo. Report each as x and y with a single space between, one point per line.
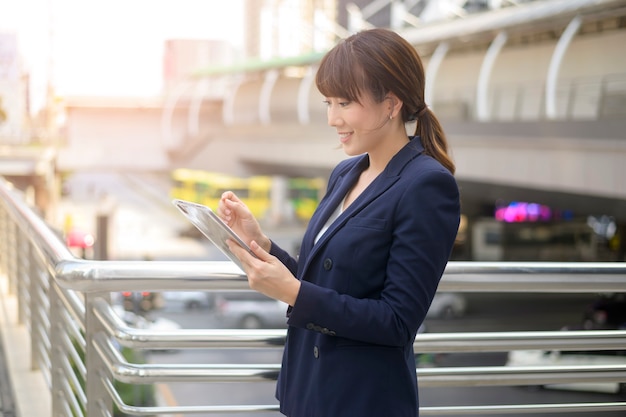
212 227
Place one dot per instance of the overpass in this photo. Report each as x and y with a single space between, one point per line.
532 97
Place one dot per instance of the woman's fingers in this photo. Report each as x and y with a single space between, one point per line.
266 274
260 252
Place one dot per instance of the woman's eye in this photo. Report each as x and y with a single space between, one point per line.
339 103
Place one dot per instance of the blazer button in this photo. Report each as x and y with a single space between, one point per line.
316 352
328 263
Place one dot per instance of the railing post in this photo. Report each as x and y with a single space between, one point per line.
12 256
94 388
56 351
34 282
3 238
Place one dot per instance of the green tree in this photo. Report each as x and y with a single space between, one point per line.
139 395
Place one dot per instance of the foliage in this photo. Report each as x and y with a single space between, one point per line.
139 395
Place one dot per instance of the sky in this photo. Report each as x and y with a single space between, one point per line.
112 47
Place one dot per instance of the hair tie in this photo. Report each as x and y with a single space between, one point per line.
421 112
416 115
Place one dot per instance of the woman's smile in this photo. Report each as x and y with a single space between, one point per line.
344 136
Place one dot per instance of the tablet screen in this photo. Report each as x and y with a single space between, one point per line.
211 226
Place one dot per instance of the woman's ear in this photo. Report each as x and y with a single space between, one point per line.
395 105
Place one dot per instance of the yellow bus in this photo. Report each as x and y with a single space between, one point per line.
304 194
207 187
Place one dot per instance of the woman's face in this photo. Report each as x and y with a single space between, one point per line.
362 127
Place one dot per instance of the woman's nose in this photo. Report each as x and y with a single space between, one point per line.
333 117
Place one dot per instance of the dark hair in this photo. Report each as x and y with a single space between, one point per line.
380 61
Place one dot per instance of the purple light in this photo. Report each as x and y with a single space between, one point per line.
517 212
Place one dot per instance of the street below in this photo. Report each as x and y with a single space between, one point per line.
486 312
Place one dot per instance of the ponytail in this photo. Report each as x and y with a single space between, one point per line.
433 137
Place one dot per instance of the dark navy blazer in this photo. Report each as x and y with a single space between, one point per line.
366 287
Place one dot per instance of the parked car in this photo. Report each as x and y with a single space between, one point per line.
249 310
570 358
565 358
190 300
147 322
447 305
252 310
142 322
80 242
141 301
77 238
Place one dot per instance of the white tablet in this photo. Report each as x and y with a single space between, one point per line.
212 227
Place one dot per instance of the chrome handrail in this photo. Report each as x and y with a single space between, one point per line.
76 333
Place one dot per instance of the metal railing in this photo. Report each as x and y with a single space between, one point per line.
582 98
76 335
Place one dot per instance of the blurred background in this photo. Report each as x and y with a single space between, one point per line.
108 110
188 98
109 104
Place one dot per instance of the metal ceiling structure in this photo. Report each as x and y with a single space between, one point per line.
265 96
262 93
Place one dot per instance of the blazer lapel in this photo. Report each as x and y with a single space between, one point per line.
342 185
386 179
375 189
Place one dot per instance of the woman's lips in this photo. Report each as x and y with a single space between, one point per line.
344 137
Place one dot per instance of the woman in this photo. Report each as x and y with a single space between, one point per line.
376 247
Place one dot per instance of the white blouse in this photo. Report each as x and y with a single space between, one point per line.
331 219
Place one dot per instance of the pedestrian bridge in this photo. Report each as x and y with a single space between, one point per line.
532 98
61 306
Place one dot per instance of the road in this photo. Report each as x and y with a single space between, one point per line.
511 312
487 312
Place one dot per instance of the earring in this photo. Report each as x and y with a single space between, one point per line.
390 117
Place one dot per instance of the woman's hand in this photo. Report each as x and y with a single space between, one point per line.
266 274
237 215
